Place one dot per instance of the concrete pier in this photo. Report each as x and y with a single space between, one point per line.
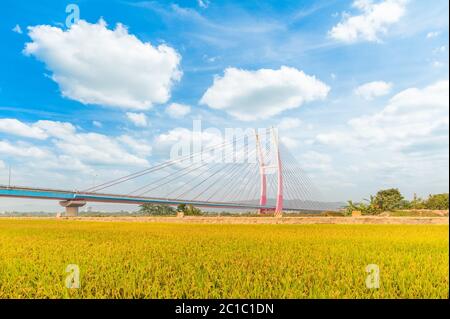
71 207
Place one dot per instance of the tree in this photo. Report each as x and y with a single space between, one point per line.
417 203
438 201
181 208
189 210
156 209
371 208
389 199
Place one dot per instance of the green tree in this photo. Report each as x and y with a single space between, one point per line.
189 210
350 207
417 203
372 207
156 209
437 201
389 199
181 208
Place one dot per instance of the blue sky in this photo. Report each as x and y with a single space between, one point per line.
358 89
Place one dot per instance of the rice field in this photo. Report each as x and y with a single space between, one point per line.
155 260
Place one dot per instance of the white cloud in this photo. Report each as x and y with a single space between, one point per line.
180 134
15 127
374 89
139 146
292 131
96 148
95 65
414 120
437 64
252 95
17 29
182 141
405 144
56 129
313 160
176 110
289 123
375 18
97 124
138 119
21 150
440 49
290 142
432 34
203 3
88 148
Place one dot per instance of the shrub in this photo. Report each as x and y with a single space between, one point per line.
189 210
156 209
438 201
389 199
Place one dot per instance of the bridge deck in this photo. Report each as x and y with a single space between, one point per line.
65 195
57 194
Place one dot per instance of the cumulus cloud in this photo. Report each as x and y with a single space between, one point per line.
139 146
138 119
21 150
371 90
432 34
182 141
374 20
415 120
405 144
207 137
95 65
437 64
251 95
289 123
88 148
15 127
313 160
176 110
56 129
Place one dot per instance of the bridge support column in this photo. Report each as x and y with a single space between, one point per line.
279 203
71 207
262 173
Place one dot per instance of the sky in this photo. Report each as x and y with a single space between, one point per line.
92 90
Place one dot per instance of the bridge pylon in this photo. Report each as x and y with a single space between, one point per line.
72 207
263 179
262 173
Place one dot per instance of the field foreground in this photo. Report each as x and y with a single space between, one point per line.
174 260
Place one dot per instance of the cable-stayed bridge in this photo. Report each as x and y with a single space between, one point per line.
254 171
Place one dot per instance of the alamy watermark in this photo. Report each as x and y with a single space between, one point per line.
73 278
73 16
231 145
373 277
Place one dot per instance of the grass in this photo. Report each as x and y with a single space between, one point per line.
415 213
150 260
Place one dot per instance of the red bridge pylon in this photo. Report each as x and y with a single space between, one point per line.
263 172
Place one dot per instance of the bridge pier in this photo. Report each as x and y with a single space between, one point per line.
71 207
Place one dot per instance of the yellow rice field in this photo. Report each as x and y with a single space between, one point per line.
154 260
